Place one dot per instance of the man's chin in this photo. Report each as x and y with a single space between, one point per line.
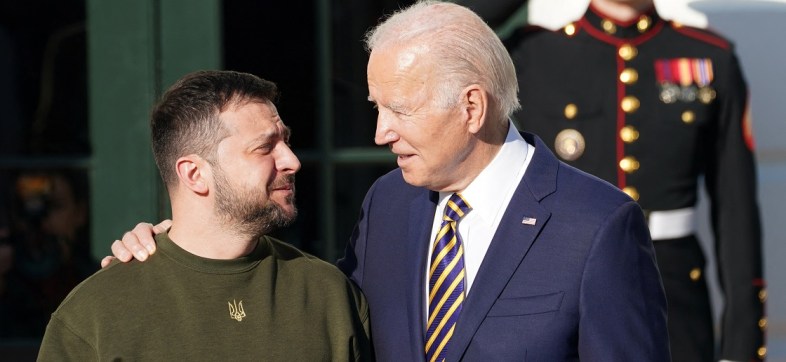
413 179
287 208
287 214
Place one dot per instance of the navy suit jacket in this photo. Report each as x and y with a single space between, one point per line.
581 283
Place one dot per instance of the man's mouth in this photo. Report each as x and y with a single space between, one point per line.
286 184
284 187
404 157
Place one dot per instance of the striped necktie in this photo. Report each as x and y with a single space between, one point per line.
446 281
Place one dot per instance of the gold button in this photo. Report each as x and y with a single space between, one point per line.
629 134
644 23
629 76
630 104
695 274
763 323
762 352
763 295
627 52
676 24
570 29
629 164
608 26
571 110
688 117
632 192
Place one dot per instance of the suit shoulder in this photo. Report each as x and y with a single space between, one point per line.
705 36
393 177
393 183
585 188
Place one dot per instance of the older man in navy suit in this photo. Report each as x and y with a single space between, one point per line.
544 263
482 245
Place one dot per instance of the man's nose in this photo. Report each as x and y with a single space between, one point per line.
385 133
287 160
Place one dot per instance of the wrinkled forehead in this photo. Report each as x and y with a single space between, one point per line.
251 112
401 68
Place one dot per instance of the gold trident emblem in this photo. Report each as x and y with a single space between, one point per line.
236 311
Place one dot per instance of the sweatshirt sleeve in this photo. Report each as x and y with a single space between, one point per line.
363 348
61 343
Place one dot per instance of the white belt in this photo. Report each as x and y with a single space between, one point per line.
672 224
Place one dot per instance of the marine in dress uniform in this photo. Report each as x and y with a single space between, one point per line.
652 106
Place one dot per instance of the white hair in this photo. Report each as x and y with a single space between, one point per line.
463 48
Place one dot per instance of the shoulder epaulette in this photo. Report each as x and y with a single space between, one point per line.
704 35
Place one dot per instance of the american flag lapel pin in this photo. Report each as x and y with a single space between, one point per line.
528 221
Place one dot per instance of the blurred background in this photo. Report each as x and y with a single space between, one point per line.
78 78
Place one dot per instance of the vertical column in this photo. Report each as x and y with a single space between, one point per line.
327 166
136 49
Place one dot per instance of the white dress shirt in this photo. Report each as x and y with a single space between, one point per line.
489 195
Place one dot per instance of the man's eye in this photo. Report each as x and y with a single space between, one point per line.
399 112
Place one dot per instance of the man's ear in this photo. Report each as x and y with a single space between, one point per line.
193 172
474 103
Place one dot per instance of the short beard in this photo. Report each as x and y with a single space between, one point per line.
241 209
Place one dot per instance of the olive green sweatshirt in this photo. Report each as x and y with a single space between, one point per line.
276 304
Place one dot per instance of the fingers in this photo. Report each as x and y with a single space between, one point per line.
162 226
141 240
106 261
137 243
131 246
123 252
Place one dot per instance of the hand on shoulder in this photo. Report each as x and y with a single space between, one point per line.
139 243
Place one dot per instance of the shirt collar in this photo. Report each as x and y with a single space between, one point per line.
488 190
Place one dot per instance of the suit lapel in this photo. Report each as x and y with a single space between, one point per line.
509 246
421 217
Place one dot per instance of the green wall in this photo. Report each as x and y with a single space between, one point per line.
136 49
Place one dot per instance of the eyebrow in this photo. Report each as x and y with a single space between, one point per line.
285 134
395 106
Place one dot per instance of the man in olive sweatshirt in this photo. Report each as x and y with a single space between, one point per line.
219 287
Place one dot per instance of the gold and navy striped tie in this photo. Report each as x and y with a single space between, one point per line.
446 281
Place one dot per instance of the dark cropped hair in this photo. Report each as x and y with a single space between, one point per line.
185 121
